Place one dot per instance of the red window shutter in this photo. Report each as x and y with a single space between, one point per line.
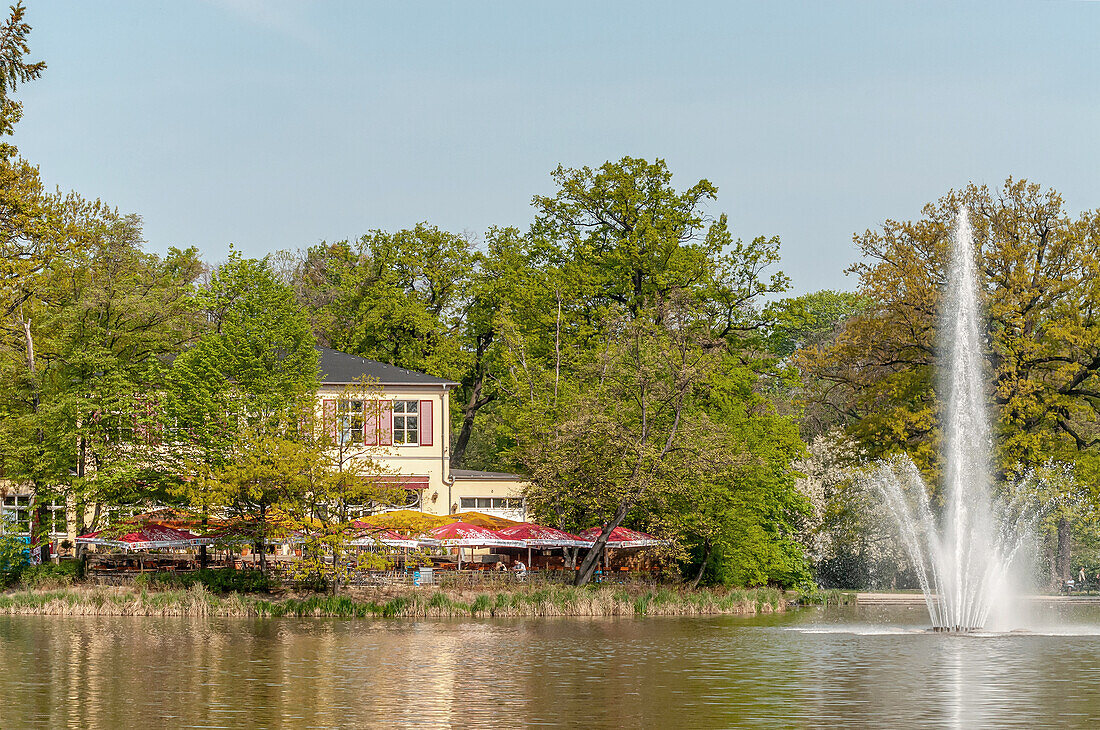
425 423
385 423
328 409
370 422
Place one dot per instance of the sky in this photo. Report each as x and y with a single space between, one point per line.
276 124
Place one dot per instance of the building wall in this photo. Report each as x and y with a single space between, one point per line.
470 494
431 461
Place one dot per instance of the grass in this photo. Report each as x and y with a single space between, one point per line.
197 600
831 597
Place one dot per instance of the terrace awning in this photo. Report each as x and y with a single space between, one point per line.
463 534
482 520
407 521
623 537
538 536
389 538
151 536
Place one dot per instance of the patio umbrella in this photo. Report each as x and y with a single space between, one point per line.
622 537
538 536
463 534
388 538
151 536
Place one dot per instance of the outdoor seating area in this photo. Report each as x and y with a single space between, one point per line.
459 549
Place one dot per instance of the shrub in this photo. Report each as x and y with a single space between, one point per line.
49 575
219 580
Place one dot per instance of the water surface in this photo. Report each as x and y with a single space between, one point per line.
869 667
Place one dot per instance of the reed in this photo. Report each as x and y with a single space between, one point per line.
410 603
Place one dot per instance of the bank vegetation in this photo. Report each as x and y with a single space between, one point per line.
543 601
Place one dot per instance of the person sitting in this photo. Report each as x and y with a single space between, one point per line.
521 570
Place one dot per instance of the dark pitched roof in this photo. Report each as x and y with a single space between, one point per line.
339 367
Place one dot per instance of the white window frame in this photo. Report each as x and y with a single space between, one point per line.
401 410
349 422
510 503
11 510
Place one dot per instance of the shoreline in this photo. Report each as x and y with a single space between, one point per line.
405 603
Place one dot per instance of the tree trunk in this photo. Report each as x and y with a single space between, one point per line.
595 553
1065 539
703 565
262 542
474 403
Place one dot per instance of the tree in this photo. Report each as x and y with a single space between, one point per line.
14 69
1039 272
81 415
630 435
346 482
654 311
267 477
811 319
251 376
743 526
396 298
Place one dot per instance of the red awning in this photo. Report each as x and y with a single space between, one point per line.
151 536
623 537
412 482
463 534
538 536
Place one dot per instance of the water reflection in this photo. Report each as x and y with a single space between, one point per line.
871 667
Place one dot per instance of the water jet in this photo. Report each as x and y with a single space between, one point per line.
962 563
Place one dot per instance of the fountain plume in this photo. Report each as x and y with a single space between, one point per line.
963 564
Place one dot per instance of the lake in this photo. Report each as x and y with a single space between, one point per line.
856 667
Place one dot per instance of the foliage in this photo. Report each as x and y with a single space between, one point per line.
13 556
624 407
220 580
50 575
1039 274
1039 278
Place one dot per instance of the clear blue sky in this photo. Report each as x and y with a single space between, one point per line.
274 124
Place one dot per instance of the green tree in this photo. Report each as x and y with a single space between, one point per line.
393 297
253 374
268 478
1039 276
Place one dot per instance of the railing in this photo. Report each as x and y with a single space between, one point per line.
283 573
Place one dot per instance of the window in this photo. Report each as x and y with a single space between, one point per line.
406 423
349 431
478 503
16 514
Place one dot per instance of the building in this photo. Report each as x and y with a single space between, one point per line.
392 417
400 420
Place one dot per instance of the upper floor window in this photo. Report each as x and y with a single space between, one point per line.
406 423
16 514
349 422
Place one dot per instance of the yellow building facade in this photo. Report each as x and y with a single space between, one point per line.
399 420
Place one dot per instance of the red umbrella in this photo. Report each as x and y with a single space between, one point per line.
463 534
372 536
623 537
538 536
151 536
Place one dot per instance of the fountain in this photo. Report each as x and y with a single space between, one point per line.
963 562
